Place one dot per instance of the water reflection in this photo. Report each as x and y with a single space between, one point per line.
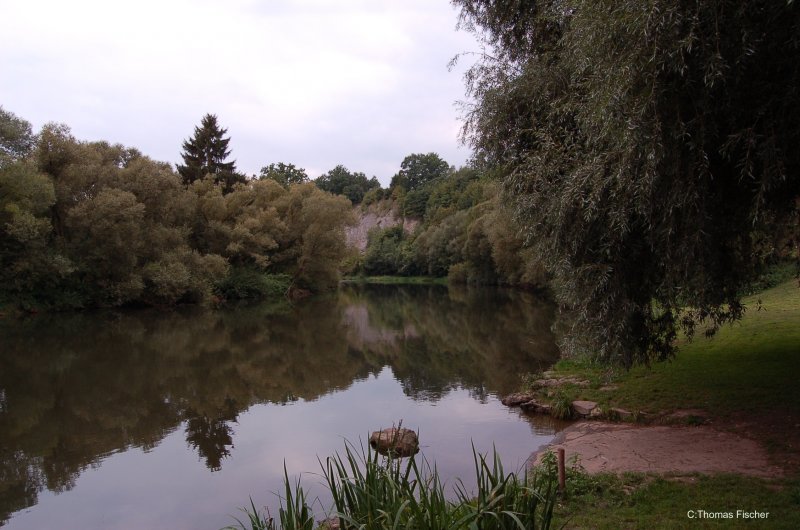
76 388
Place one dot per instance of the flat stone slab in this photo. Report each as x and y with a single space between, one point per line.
583 408
618 448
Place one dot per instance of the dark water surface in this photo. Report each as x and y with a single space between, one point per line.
155 419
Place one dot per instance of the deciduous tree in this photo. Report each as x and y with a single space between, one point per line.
16 137
416 170
284 174
340 181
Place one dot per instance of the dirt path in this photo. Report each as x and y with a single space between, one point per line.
619 447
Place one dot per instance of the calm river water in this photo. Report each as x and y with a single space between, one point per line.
156 419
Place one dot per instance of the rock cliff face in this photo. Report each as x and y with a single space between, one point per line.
381 215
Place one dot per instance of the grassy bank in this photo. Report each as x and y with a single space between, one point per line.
636 500
750 367
744 379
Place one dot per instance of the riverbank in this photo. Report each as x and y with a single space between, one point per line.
716 429
397 280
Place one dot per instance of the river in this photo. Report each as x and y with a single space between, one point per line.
174 419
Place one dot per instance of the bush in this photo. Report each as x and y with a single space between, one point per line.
387 252
249 283
457 273
561 407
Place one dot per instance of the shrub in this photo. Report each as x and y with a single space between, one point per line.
250 283
561 407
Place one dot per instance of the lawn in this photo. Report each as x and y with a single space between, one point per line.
645 501
749 367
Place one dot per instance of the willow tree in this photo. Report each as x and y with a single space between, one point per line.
650 149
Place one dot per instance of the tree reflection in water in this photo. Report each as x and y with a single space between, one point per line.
75 388
211 437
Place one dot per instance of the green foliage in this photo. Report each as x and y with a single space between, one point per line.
29 266
205 154
460 190
93 224
106 237
16 137
418 170
340 181
415 203
387 252
375 195
182 275
442 245
774 275
284 174
466 234
243 225
458 273
561 406
246 282
650 154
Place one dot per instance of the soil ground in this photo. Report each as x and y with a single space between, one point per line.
621 447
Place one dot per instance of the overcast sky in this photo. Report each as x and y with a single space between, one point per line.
315 83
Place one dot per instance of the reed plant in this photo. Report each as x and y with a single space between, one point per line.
372 492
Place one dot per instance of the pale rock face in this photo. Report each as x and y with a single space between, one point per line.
375 218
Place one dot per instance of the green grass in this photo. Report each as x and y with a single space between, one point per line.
639 500
749 367
645 501
397 280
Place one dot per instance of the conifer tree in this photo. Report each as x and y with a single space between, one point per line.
206 152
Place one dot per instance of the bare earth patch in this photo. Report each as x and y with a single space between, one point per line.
620 447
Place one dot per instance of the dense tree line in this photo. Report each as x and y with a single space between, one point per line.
94 224
341 181
466 233
649 151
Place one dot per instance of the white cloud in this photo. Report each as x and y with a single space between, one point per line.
312 82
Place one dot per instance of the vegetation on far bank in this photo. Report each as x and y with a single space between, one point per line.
397 280
89 224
